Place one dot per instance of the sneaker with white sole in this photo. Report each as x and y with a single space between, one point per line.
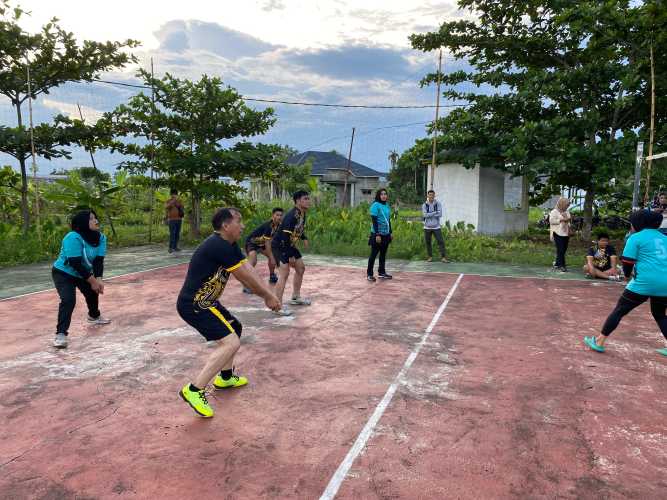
100 320
299 301
60 341
283 312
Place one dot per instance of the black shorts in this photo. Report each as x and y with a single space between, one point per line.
252 247
214 323
284 254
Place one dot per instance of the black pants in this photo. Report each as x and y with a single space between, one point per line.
174 233
428 234
66 286
378 248
628 301
561 243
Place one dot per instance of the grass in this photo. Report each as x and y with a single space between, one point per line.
331 231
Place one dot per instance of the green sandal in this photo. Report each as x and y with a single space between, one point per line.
590 342
662 351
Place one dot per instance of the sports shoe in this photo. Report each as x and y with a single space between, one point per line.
299 301
100 320
371 278
445 260
197 401
590 342
385 276
614 278
429 259
273 279
247 290
662 351
235 381
283 312
60 341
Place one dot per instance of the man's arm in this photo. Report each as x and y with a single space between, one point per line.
589 264
247 275
614 263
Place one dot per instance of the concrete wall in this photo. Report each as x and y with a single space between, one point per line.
457 188
477 196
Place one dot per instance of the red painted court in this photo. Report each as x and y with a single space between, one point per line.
500 400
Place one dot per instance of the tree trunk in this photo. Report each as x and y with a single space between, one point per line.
25 207
588 214
195 215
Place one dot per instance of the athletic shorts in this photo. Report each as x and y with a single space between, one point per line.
252 247
214 323
284 254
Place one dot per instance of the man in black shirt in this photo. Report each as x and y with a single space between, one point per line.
601 260
257 242
211 264
284 249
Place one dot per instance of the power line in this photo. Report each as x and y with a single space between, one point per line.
301 103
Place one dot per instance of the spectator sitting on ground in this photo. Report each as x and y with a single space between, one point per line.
660 205
601 260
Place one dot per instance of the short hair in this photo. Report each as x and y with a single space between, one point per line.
173 191
299 194
662 193
430 191
277 209
222 216
603 234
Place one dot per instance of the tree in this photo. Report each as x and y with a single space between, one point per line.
407 177
54 57
191 128
562 89
393 158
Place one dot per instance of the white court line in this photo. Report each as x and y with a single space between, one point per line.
339 476
105 279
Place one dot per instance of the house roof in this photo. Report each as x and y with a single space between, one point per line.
323 161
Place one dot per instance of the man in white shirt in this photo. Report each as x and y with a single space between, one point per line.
431 213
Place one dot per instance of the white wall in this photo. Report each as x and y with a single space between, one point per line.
457 188
491 201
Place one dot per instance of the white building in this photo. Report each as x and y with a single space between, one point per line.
491 200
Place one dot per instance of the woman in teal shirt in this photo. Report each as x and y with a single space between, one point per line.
79 265
380 237
645 260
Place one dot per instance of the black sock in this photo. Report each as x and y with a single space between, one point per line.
193 388
226 374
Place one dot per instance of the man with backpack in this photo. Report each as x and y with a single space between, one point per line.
431 213
174 216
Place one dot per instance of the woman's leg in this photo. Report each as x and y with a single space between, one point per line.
67 293
558 242
658 310
375 248
384 246
566 242
626 303
91 296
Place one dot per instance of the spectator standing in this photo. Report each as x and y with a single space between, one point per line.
431 213
559 230
174 215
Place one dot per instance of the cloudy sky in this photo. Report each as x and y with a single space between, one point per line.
331 51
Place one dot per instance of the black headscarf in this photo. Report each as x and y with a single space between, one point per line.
81 225
645 219
377 196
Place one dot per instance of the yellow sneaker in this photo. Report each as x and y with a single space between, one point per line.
197 401
235 381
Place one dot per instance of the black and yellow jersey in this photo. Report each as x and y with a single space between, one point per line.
291 230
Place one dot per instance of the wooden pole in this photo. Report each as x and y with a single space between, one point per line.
152 190
90 151
649 161
348 172
33 152
435 124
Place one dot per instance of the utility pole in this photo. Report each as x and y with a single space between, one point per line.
638 175
90 150
348 171
649 159
32 150
435 124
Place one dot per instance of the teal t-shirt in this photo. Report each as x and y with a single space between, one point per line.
382 212
649 249
74 245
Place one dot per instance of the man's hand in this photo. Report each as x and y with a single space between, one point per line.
272 302
378 239
613 271
96 285
305 244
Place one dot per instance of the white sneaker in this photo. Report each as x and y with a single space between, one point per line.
100 320
283 312
60 341
299 301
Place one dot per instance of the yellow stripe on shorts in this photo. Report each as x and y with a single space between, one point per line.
222 318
